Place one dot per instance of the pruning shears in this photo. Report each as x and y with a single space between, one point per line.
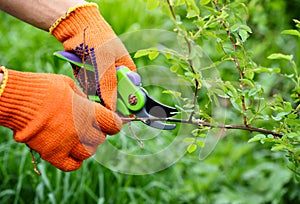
133 99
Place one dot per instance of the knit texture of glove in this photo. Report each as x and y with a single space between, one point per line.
85 32
53 117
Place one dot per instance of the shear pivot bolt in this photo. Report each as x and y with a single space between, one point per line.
132 99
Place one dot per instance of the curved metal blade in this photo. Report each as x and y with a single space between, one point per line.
158 109
156 124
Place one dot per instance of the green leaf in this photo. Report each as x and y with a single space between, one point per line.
293 116
267 70
200 143
230 87
246 28
145 52
239 27
189 139
292 135
192 9
191 13
176 94
236 102
204 2
191 148
280 56
199 133
278 147
141 53
249 74
174 68
291 32
247 82
153 55
257 138
244 35
152 4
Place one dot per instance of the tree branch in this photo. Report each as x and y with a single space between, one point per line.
208 124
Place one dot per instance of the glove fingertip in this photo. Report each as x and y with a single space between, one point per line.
69 164
108 121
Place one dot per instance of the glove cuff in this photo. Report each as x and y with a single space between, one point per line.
78 19
18 106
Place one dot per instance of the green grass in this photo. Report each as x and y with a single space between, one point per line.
235 172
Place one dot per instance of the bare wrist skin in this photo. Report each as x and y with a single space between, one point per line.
39 13
1 78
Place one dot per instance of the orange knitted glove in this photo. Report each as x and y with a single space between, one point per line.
53 117
84 25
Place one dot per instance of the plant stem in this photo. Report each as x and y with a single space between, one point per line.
34 163
189 61
171 9
236 62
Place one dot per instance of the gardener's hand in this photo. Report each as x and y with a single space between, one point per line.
83 25
53 117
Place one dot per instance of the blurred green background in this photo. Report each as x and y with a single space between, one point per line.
235 172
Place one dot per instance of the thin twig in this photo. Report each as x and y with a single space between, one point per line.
171 9
83 64
197 83
34 163
136 137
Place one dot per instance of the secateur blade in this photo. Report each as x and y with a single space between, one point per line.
154 109
155 124
158 109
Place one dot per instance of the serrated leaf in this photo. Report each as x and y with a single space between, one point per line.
191 148
280 56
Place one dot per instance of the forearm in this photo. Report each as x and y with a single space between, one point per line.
39 13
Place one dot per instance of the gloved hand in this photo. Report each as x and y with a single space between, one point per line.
84 25
53 117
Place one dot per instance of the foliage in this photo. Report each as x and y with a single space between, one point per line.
274 117
248 77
